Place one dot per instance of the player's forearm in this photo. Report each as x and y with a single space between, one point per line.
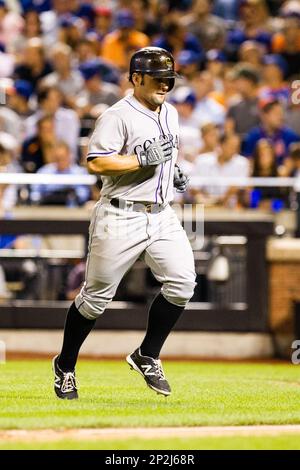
114 166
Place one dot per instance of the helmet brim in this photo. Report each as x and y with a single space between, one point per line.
163 74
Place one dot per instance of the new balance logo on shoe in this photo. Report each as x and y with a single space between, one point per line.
152 371
147 369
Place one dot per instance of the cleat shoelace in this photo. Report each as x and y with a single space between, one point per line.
159 370
69 384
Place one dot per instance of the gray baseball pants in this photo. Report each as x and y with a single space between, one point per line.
118 238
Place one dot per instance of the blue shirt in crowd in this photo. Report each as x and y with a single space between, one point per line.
40 190
280 141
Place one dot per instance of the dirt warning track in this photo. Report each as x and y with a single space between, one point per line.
42 435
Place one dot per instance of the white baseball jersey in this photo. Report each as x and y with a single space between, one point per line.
126 128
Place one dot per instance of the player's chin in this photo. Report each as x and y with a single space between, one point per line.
159 98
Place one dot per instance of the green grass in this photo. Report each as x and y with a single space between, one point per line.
282 442
113 396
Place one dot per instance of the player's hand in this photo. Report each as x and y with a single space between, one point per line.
180 180
156 153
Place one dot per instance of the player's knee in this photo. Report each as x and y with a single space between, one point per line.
179 293
90 308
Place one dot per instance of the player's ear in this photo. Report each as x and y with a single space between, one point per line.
136 78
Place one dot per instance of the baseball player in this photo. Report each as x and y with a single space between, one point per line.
134 148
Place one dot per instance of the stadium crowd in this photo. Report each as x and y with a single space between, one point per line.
63 62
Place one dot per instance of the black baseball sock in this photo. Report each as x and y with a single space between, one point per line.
77 327
162 317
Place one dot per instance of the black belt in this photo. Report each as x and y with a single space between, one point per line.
137 205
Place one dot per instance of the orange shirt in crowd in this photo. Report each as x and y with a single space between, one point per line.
279 43
118 51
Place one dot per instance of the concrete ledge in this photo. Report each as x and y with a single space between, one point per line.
120 343
283 249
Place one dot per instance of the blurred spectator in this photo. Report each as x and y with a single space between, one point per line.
12 146
229 95
173 7
224 162
274 6
264 159
184 99
103 22
32 25
85 51
75 7
57 194
37 5
34 65
106 71
118 46
144 19
208 28
215 64
226 9
294 154
292 111
210 138
274 71
207 109
37 151
290 7
7 62
264 165
17 109
68 80
19 99
31 29
287 44
175 39
72 30
244 115
126 86
8 164
11 24
272 128
190 142
50 20
84 10
95 90
66 121
10 122
254 26
188 64
75 280
252 53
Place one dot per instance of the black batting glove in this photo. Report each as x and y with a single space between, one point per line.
180 180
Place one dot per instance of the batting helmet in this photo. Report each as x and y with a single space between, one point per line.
153 61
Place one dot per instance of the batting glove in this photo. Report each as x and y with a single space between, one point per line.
156 153
180 180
